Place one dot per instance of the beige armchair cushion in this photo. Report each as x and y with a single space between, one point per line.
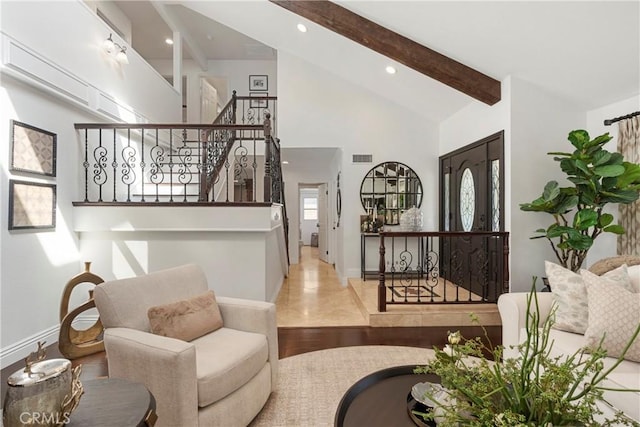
225 360
186 319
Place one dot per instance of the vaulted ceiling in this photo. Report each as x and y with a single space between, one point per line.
587 52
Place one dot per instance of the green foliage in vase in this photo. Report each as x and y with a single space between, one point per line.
599 177
534 389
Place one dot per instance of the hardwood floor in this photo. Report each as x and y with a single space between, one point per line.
314 312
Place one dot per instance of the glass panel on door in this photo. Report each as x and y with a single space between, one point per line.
467 200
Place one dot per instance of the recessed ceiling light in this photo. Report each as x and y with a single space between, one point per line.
284 162
302 28
390 69
169 41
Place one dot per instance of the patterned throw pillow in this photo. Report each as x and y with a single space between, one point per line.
570 295
614 312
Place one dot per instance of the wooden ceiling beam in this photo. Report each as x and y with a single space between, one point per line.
397 47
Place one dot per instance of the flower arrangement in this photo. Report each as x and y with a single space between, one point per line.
534 389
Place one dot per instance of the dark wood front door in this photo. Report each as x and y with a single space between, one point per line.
472 199
469 190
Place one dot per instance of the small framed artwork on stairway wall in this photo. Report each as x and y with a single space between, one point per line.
31 205
33 149
258 83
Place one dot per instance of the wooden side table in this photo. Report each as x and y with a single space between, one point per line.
114 402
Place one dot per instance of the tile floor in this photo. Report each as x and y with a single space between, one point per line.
312 296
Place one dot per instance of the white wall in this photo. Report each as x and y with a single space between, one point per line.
37 264
540 124
52 79
129 241
235 74
476 121
114 14
322 110
605 245
75 61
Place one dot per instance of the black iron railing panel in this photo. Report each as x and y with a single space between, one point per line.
170 163
442 267
256 109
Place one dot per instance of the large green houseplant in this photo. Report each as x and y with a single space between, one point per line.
598 177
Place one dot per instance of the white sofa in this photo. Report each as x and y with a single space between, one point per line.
513 308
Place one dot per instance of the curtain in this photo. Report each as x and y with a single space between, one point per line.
629 146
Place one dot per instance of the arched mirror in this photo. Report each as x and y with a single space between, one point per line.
391 188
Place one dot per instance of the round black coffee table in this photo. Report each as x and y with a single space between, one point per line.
382 398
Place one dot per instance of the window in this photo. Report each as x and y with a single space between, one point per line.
310 208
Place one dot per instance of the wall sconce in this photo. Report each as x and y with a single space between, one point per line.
109 46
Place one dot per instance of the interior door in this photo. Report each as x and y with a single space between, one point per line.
208 102
323 247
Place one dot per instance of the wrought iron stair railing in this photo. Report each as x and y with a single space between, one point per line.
183 162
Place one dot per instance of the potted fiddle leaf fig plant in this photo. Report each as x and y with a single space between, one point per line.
598 178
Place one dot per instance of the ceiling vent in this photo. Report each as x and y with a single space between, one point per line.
362 158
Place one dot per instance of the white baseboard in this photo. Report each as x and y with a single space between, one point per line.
21 349
353 272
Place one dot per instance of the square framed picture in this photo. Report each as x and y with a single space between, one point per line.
259 83
33 150
31 205
258 103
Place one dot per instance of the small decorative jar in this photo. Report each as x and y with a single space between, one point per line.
411 220
42 393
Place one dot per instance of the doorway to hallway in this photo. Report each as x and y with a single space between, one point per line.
313 219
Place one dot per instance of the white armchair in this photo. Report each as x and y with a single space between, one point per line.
222 378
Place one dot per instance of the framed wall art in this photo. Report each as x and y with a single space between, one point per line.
258 103
31 205
33 150
258 83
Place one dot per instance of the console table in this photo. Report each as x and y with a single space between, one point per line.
114 402
364 273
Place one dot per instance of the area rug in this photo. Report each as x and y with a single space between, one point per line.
310 385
